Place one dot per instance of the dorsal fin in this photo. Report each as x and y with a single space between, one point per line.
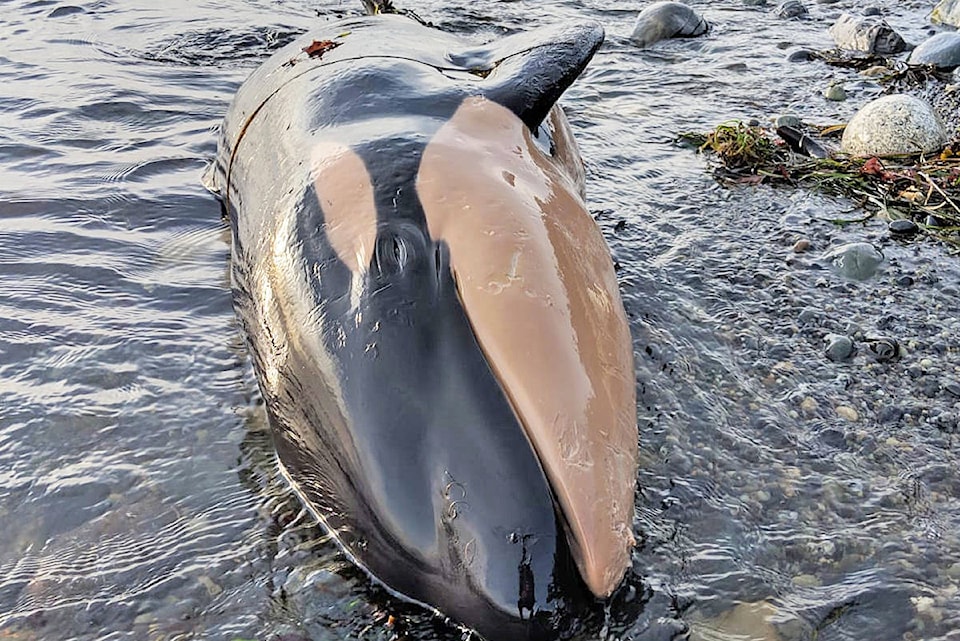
532 70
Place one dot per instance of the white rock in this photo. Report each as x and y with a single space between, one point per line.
946 12
894 125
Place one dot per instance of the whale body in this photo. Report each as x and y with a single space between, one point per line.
433 315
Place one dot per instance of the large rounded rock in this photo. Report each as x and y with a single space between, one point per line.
946 12
942 50
662 20
866 33
894 125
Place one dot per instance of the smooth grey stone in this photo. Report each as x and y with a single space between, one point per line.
942 50
858 261
905 281
787 120
946 12
792 9
835 92
662 20
903 226
839 348
953 387
894 125
866 33
872 11
800 55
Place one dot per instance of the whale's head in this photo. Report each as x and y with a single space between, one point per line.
462 370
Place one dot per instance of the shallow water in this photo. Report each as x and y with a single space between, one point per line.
783 495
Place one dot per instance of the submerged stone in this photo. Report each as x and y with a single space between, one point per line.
858 261
942 50
662 20
866 33
835 92
894 125
946 12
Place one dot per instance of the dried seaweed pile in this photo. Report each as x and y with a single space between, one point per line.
925 190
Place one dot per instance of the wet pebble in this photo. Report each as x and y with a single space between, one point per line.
809 405
787 120
930 387
835 92
800 55
872 11
905 281
903 226
839 348
890 414
848 413
808 316
858 261
801 246
876 71
953 388
791 9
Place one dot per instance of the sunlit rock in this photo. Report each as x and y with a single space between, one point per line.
866 33
942 50
946 12
662 20
894 125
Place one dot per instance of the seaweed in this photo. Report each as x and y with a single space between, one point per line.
925 189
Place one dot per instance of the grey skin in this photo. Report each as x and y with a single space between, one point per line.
388 418
663 20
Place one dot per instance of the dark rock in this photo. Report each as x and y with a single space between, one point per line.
903 226
883 348
872 11
890 414
800 55
792 9
953 388
929 386
662 20
905 281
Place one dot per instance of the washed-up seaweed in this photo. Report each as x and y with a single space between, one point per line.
925 189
